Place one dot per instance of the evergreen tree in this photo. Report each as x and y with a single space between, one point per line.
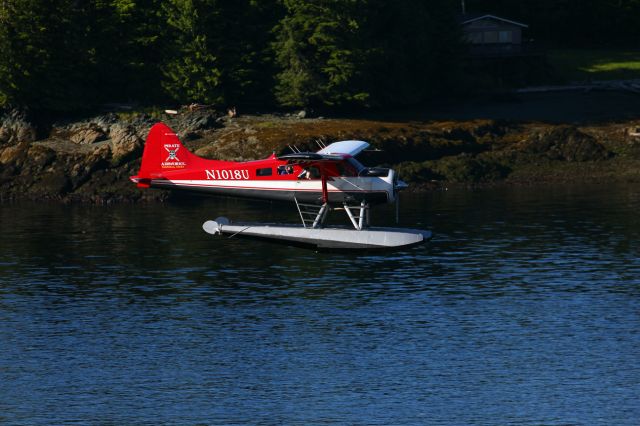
218 50
416 50
319 50
7 73
129 38
241 38
192 71
365 52
43 61
74 54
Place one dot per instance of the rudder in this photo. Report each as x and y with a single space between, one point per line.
163 152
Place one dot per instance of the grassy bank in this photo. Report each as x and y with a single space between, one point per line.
595 64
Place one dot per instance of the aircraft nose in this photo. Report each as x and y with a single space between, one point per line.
396 185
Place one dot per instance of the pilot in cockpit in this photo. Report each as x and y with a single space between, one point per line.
311 172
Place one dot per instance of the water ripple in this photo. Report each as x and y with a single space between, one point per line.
522 310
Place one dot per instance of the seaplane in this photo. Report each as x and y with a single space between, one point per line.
317 183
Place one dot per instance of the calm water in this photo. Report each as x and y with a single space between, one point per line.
524 309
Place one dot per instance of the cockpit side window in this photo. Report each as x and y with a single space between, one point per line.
346 169
314 172
356 165
311 172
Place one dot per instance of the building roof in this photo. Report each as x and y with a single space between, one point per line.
467 19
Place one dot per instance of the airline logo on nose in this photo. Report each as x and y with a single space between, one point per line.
172 160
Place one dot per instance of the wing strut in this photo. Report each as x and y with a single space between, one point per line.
325 192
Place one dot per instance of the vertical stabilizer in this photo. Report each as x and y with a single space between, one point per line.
163 152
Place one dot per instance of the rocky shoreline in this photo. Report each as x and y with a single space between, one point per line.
90 159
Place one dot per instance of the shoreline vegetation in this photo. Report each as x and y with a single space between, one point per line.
595 137
378 71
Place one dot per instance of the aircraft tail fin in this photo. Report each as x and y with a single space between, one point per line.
163 152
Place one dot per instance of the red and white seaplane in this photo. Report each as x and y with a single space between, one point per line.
317 182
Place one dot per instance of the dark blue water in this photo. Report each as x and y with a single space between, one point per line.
524 310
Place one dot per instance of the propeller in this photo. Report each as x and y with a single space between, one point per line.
396 196
397 208
398 185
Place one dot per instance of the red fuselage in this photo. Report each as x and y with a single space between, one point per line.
308 177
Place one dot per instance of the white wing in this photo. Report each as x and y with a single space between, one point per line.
352 148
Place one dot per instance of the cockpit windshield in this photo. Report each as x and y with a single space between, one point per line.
350 168
358 167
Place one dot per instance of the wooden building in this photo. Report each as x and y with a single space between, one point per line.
491 35
498 56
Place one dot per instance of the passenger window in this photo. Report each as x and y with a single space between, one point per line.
268 171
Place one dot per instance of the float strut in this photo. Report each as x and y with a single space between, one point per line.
363 212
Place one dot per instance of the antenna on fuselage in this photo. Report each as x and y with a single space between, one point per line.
321 143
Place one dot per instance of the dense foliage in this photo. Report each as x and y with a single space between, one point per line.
69 54
370 52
